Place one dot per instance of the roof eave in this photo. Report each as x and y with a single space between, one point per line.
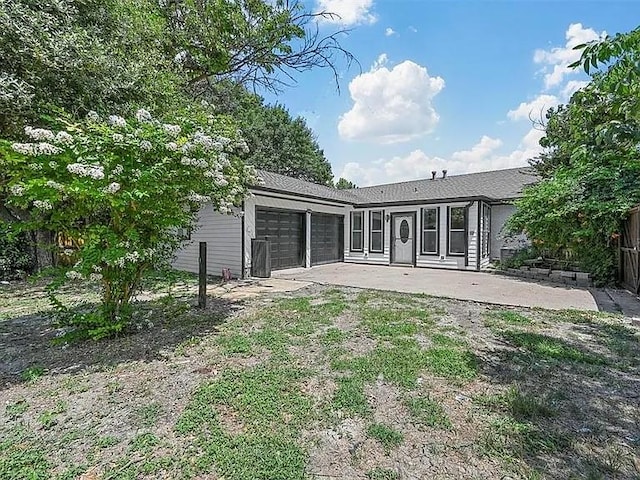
302 195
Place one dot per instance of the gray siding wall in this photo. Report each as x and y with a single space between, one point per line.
435 261
223 234
499 216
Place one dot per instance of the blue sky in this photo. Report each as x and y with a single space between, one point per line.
446 84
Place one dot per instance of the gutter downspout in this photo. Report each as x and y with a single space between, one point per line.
478 251
467 207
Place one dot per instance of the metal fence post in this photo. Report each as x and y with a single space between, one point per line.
202 277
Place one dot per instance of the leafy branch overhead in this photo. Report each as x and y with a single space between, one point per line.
256 43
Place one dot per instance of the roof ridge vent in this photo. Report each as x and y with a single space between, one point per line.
433 174
444 174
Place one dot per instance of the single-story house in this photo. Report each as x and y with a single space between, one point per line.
442 222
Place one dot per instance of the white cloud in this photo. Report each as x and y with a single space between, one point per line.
483 156
389 31
391 105
380 62
535 109
558 59
413 29
479 151
348 12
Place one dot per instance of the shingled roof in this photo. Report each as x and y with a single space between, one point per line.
494 185
294 186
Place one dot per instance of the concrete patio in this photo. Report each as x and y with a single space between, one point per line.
476 286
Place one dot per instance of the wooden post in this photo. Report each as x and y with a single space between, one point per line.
202 277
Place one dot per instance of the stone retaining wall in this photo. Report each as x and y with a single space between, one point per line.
561 277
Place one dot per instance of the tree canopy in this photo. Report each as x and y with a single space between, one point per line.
344 184
590 170
120 55
277 141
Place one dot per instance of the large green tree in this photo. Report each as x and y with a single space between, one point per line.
104 55
590 171
277 141
69 57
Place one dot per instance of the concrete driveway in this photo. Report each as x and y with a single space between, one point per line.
477 286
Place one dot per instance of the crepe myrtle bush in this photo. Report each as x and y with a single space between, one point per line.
124 190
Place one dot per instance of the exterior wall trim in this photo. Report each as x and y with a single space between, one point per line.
469 200
301 195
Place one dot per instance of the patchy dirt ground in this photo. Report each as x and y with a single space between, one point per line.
322 383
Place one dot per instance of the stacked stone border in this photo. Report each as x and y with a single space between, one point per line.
560 277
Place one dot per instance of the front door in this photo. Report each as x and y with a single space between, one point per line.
402 239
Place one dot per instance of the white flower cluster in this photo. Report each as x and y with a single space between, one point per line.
117 170
224 159
93 116
225 206
111 188
251 174
194 162
39 134
208 143
16 190
243 146
173 130
171 146
35 166
43 204
218 177
73 275
67 252
196 197
117 121
96 268
220 181
132 257
143 115
118 137
146 145
35 149
95 277
54 185
63 138
180 57
94 171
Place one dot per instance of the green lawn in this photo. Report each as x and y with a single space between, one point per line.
325 383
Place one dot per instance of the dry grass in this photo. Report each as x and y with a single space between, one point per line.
328 383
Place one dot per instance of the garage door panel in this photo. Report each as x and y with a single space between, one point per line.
285 230
327 238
